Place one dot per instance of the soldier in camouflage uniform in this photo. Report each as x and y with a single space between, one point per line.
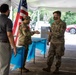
56 42
24 38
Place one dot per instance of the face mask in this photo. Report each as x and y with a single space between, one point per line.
8 14
55 18
28 22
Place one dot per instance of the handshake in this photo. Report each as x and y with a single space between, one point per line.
37 32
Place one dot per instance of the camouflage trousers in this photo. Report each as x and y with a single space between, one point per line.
25 55
55 51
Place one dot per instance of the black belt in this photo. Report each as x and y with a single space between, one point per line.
4 41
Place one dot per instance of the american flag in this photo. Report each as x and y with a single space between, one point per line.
22 11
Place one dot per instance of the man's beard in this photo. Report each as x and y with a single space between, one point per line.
55 18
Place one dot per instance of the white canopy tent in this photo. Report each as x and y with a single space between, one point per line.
63 5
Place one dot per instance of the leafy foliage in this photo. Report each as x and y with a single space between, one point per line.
69 17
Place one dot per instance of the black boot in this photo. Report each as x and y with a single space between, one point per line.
47 69
56 70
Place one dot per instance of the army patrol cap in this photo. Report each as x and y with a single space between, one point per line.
27 18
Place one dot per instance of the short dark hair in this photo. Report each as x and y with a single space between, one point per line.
58 12
4 8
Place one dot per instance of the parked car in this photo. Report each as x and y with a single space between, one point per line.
71 29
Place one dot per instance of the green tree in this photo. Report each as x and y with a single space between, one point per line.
69 18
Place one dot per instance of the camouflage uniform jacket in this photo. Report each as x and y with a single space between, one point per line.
24 35
58 30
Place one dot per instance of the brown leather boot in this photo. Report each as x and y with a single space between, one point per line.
23 70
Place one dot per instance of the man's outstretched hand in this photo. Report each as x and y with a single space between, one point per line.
37 32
